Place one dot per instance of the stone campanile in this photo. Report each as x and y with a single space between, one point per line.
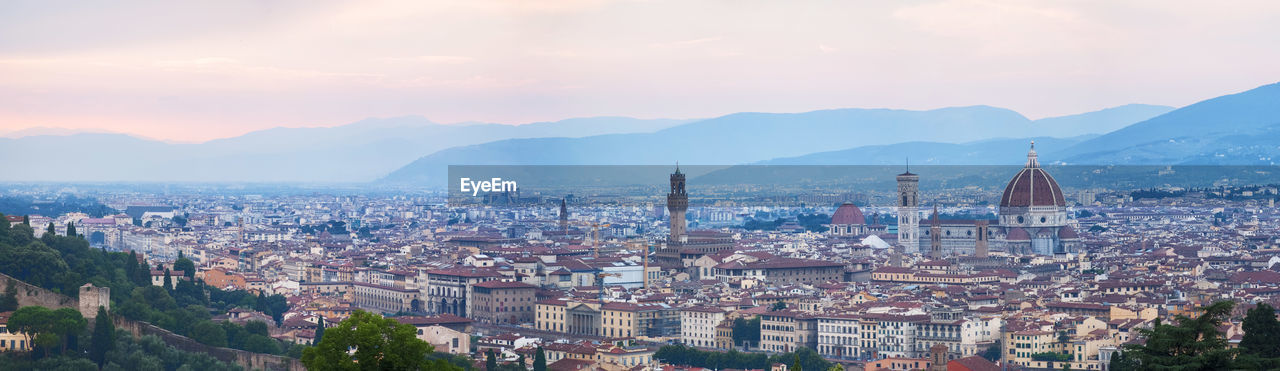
908 218
677 204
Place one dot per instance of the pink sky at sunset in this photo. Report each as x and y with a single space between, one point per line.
193 71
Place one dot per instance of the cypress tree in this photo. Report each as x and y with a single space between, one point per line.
540 360
71 229
1261 332
319 331
490 362
104 337
168 280
50 229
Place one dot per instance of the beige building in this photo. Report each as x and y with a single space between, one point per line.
698 326
386 299
787 330
12 341
613 319
503 302
446 340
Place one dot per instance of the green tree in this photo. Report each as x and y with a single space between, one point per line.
104 337
540 360
51 327
1260 347
208 333
186 266
50 230
9 301
71 230
1261 332
168 280
257 328
779 305
1192 344
319 331
993 352
490 361
261 344
379 343
746 332
795 365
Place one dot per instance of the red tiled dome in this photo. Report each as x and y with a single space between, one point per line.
1032 187
1018 234
1067 233
848 213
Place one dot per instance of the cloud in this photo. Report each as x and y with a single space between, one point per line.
430 59
685 43
826 49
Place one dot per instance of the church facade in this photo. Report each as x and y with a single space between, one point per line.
1032 220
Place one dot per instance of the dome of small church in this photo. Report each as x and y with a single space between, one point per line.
848 213
1067 233
1032 186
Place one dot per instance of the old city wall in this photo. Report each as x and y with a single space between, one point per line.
29 295
249 360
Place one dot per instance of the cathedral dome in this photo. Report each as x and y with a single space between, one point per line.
848 213
1032 186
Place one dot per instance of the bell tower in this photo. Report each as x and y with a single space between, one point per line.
677 204
935 235
908 218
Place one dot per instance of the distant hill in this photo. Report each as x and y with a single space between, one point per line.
1097 122
750 137
1237 129
356 152
985 152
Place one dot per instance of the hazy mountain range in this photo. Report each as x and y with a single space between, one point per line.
753 137
1240 128
361 151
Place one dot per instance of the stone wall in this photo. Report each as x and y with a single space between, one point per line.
250 360
29 295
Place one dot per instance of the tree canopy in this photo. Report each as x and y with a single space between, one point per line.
379 344
1191 344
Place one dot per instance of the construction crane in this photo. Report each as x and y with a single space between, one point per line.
595 235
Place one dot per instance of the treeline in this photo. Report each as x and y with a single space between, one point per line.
1197 344
810 222
681 355
1154 193
24 205
746 331
64 263
62 341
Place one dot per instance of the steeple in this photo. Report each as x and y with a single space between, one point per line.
1032 161
935 235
